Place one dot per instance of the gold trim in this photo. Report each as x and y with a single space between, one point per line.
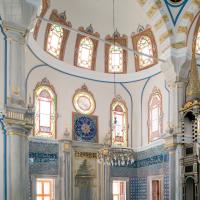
12 133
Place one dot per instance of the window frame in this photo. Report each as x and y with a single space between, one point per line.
45 85
196 31
122 40
119 102
44 7
95 46
152 136
33 183
124 179
135 39
61 19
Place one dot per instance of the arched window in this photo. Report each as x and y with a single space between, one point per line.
115 59
197 49
45 110
115 56
144 45
55 40
86 49
155 115
56 36
85 53
42 12
144 42
119 122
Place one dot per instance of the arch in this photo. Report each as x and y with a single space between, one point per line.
116 57
144 42
55 36
42 12
155 115
162 26
119 122
86 49
45 101
191 11
115 63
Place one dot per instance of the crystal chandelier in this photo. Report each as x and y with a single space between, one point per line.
116 156
113 155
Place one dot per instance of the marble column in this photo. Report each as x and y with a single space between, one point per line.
18 127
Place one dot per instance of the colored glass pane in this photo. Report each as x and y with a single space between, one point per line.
144 46
55 40
119 124
85 53
45 109
198 42
155 116
115 59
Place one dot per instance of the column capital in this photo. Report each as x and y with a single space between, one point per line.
18 121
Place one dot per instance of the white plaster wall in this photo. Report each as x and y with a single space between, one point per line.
65 86
156 81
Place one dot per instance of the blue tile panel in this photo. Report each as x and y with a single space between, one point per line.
151 162
43 158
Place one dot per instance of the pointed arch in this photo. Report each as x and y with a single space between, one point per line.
55 36
86 49
45 103
116 57
144 42
119 122
155 115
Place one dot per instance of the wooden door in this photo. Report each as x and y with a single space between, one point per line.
156 193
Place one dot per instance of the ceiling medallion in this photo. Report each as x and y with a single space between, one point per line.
83 101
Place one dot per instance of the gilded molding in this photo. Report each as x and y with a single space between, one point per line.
12 133
179 45
154 8
142 2
182 29
161 22
89 155
165 35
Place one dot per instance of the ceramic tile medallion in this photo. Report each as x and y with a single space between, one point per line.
85 127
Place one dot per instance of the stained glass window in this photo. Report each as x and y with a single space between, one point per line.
198 42
45 109
54 40
85 53
155 115
144 45
119 190
119 123
44 189
115 59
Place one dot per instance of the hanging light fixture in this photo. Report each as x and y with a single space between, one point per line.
110 155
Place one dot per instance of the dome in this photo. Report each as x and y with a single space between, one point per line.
129 18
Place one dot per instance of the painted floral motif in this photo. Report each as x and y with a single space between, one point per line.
85 127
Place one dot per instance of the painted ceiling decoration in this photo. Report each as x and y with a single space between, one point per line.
175 7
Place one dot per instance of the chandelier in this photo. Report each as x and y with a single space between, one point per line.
116 156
